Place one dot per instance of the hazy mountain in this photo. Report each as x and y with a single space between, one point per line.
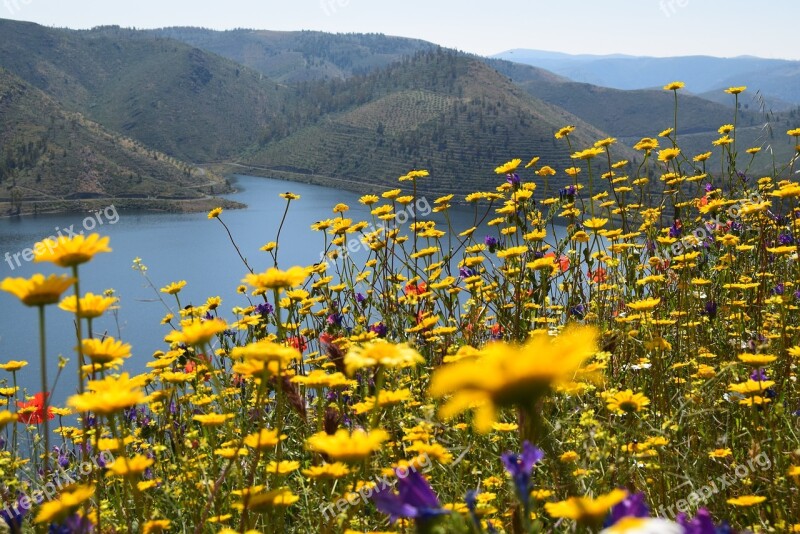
302 55
774 78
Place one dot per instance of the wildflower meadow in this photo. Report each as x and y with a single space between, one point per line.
635 373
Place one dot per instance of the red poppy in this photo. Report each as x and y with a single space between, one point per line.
326 338
416 289
32 412
563 261
599 275
298 342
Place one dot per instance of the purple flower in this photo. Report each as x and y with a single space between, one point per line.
466 272
360 298
785 239
415 499
335 319
676 229
709 188
71 525
264 309
520 466
513 179
779 289
634 505
759 375
380 329
13 515
710 309
702 524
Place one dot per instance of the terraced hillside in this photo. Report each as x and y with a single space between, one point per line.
442 111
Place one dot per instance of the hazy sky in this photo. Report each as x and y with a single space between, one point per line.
764 28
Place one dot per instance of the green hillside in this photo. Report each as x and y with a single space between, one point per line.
181 100
441 111
52 159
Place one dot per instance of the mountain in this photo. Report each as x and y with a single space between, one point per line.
773 78
440 110
186 102
303 55
53 159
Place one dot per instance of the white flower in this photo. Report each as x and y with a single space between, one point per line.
643 525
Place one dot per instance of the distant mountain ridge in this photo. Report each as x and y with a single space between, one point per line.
775 78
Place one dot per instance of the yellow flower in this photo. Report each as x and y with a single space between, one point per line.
174 288
746 500
290 196
413 175
627 402
105 351
595 223
277 279
668 154
720 453
327 471
213 419
66 505
508 167
546 171
262 502
644 305
735 90
508 375
565 131
92 306
569 456
156 526
646 144
70 251
751 386
587 154
320 379
110 395
13 366
38 290
369 200
381 354
284 467
341 208
757 360
702 157
215 213
585 509
130 467
6 418
197 332
674 86
267 351
346 447
264 439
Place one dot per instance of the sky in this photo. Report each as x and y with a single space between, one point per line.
724 28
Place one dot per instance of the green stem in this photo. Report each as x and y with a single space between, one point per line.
43 365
